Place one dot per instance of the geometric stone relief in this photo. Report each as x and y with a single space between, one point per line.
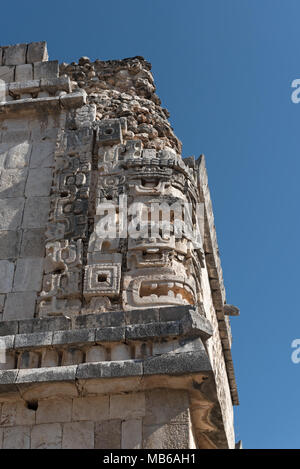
68 226
102 280
158 290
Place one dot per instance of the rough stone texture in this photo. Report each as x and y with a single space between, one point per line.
39 182
16 413
74 305
168 406
46 436
45 70
6 276
15 55
11 212
21 304
127 406
9 244
36 212
91 408
78 435
28 275
108 434
37 52
33 243
24 72
132 434
41 153
174 436
54 410
7 74
16 438
12 183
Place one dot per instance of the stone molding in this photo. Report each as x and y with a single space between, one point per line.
215 273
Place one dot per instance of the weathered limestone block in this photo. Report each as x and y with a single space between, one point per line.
6 276
33 243
8 414
7 75
39 182
19 90
45 70
37 52
18 156
13 136
24 73
164 436
46 436
24 415
12 183
91 408
132 434
54 410
42 154
108 434
19 305
33 340
169 406
36 212
15 55
11 212
16 437
130 406
28 276
78 435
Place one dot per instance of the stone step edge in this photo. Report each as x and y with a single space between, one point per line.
67 101
190 326
165 364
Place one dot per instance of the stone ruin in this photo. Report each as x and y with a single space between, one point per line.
109 341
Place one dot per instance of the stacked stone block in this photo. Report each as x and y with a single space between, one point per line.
24 206
26 62
139 420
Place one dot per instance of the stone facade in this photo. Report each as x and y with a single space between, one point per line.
112 340
136 420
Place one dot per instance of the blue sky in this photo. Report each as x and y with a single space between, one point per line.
224 69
